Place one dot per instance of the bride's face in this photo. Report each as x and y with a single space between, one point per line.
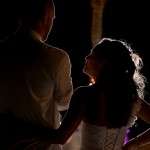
93 67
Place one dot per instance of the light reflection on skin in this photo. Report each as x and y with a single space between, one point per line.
91 81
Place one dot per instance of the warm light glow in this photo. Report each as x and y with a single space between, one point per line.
92 81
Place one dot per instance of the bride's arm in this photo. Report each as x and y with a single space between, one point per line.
144 111
144 138
70 121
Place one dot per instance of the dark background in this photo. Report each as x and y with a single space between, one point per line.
72 32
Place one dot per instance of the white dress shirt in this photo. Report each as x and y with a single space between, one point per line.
35 81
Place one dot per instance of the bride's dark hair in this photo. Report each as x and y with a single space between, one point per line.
121 79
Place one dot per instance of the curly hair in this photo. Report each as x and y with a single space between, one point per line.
121 79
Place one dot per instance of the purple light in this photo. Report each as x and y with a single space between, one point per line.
127 136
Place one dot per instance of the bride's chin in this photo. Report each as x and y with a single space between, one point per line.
86 72
84 69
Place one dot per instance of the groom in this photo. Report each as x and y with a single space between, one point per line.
35 78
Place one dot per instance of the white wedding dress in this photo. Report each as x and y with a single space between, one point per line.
101 138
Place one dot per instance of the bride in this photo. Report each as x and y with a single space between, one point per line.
106 109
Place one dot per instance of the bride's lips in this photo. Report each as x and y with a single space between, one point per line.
86 62
85 65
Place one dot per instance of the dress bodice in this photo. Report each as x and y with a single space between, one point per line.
101 138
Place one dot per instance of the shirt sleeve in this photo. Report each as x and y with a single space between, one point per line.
64 88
